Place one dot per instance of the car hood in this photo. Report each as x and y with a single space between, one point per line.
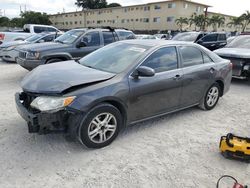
55 78
12 43
42 46
233 52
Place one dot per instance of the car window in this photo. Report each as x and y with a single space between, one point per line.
70 36
222 37
206 58
38 29
48 38
190 56
123 35
210 38
92 38
108 37
164 59
51 29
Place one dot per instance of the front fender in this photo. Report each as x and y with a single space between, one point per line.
65 56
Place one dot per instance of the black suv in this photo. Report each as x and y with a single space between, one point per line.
211 41
74 44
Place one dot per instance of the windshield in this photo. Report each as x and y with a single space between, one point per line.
186 37
240 42
33 38
70 36
114 58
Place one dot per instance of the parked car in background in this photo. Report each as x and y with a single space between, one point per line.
238 52
74 44
120 84
28 30
163 36
8 50
146 37
211 41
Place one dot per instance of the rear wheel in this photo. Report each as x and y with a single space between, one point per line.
100 126
211 98
53 61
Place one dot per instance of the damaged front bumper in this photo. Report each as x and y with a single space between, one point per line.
62 121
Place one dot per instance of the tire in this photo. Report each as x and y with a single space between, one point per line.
53 61
211 98
98 134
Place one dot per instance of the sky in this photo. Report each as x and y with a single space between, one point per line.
11 8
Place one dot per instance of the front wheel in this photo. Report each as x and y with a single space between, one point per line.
211 98
100 126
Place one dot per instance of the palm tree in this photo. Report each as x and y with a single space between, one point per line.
216 21
236 22
181 21
246 20
200 21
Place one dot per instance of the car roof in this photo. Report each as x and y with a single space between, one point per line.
99 29
154 43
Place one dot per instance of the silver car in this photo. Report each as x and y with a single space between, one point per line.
8 50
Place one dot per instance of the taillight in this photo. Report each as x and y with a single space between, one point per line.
2 36
231 65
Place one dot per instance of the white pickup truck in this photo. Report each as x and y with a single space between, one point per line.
28 30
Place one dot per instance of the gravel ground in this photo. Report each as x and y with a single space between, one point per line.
177 150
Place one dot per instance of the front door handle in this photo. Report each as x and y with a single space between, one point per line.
211 70
177 77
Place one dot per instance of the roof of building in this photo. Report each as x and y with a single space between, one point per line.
210 12
165 1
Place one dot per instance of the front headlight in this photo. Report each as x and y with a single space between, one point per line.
10 48
32 55
47 103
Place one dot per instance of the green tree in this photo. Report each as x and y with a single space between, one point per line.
113 5
200 21
245 20
4 21
181 21
236 22
91 4
16 22
31 17
216 21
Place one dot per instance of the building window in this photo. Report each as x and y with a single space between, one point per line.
185 5
171 5
66 15
198 9
75 14
157 7
170 19
146 8
123 21
66 23
132 20
146 20
136 20
136 8
75 22
70 23
125 10
157 19
132 9
80 14
127 20
80 22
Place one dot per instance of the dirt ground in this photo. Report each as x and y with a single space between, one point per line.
177 150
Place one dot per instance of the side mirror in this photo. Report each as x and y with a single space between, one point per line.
200 42
143 71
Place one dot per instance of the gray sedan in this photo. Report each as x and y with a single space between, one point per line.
120 84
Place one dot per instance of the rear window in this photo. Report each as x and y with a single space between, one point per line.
108 37
210 38
222 37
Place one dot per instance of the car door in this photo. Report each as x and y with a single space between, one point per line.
222 41
198 73
151 96
92 42
209 41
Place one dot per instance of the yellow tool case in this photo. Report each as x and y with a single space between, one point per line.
235 147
